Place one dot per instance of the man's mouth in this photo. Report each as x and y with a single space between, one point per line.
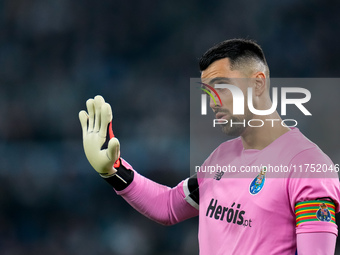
221 115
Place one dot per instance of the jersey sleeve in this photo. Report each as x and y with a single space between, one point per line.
313 191
316 243
158 202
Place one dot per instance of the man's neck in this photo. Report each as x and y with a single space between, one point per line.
260 137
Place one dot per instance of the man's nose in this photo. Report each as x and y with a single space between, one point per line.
214 102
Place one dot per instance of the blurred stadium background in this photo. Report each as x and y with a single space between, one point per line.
140 55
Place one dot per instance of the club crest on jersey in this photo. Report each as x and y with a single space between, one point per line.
257 184
323 213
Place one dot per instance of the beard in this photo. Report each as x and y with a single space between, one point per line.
236 129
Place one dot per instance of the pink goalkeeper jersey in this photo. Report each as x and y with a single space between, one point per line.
253 213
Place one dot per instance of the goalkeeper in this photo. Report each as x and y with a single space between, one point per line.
278 216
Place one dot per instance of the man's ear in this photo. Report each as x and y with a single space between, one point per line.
260 83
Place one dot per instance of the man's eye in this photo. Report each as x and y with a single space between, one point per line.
221 90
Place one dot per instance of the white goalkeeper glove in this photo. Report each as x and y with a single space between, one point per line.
95 126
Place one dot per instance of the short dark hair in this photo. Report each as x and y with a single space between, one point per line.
237 50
